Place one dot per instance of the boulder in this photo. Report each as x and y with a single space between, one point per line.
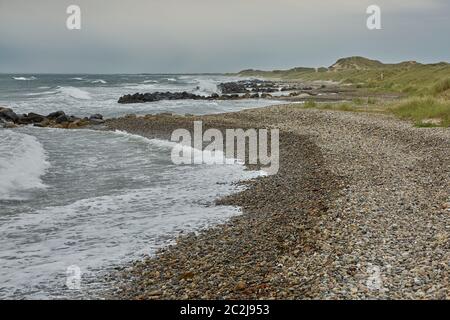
34 118
96 116
62 118
8 115
158 96
73 118
232 87
56 114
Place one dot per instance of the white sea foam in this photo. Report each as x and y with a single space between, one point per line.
77 78
99 81
199 156
22 163
75 93
206 87
24 78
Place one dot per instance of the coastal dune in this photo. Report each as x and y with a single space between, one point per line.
359 209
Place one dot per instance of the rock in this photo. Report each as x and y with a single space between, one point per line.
154 293
34 118
8 115
158 96
241 285
74 118
96 116
56 114
62 118
187 275
232 87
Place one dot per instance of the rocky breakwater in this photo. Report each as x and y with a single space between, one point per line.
245 89
260 86
158 96
58 119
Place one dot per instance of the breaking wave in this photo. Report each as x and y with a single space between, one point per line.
22 163
75 93
24 78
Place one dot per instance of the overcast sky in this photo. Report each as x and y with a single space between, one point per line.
181 36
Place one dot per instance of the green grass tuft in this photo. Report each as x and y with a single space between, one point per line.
422 109
441 86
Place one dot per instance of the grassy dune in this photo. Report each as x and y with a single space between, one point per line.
427 86
424 112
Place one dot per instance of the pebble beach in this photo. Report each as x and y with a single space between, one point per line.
360 209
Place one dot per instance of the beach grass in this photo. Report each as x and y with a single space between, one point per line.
442 86
425 112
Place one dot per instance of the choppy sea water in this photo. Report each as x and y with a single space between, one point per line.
98 199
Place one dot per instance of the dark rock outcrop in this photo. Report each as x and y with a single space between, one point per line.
233 87
34 117
8 115
96 116
245 86
62 118
242 89
158 96
58 119
55 114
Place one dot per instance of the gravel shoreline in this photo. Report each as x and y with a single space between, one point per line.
360 209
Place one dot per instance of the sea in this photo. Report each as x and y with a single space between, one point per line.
76 205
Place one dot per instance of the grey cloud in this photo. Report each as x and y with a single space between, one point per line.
213 35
